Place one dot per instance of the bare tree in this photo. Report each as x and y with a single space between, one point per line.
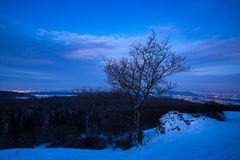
144 72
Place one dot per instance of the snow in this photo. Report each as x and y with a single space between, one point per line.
197 138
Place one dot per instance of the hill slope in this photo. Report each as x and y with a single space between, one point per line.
197 138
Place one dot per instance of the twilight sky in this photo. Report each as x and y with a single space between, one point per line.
55 45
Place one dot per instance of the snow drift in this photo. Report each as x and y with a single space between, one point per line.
179 136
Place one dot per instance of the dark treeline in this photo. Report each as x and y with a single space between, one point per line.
90 120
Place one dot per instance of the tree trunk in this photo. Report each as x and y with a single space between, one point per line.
137 118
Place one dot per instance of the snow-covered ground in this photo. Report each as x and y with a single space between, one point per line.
186 138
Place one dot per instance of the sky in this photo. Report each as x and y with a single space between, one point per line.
60 44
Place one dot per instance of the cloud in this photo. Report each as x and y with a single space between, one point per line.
19 42
44 55
74 38
217 70
88 46
43 46
12 72
25 61
212 52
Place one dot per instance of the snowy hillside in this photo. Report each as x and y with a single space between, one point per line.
186 137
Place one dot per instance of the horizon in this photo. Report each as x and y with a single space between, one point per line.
103 89
48 45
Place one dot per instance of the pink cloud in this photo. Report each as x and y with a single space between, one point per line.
89 46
